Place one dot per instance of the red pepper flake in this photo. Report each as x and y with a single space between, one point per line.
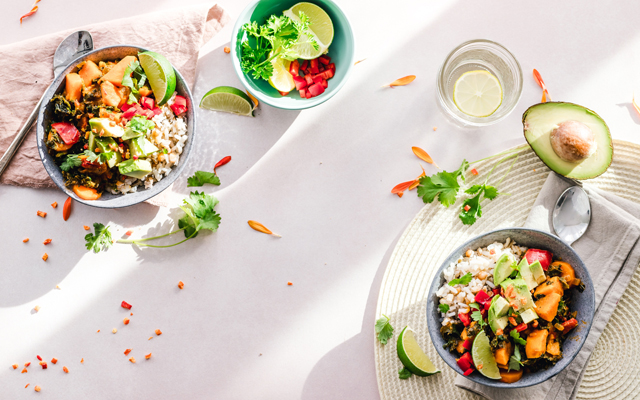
27 364
54 360
148 356
54 204
43 364
129 233
150 337
467 208
98 331
82 361
181 285
65 369
27 385
45 257
30 13
86 228
289 283
222 162
126 321
41 214
24 371
15 366
158 332
46 241
86 146
25 240
492 251
227 49
474 172
133 360
131 314
66 209
126 305
37 388
39 358
400 194
127 351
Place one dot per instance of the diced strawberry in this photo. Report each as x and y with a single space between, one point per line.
304 65
283 93
300 82
147 102
294 67
309 79
317 79
465 318
324 83
303 93
545 257
324 59
316 89
308 95
68 132
467 344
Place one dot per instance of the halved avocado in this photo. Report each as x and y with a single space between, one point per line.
540 120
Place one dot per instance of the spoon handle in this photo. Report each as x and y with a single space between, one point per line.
19 138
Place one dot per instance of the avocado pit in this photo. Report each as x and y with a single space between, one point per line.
573 141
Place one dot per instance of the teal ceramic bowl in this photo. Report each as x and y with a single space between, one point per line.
341 52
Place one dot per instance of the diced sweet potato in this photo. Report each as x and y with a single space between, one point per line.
547 307
460 347
503 366
567 271
503 354
73 87
510 376
145 91
536 343
551 285
465 333
553 347
116 73
59 144
89 72
86 193
110 95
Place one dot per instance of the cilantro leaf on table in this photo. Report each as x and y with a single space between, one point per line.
443 185
200 214
443 308
100 240
202 177
404 373
384 329
515 360
516 337
463 280
471 210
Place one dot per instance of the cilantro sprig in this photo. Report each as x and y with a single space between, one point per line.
443 308
404 373
516 337
463 280
515 360
199 215
384 330
134 78
199 178
74 160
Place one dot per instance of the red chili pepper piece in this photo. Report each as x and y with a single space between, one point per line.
521 327
468 372
68 133
39 358
569 325
482 297
467 344
465 362
474 171
126 305
222 162
466 320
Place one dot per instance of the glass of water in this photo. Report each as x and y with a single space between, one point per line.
480 55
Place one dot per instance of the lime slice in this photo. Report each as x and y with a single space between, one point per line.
227 99
412 355
477 93
483 357
161 75
281 79
319 24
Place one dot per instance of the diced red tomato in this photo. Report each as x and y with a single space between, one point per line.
303 93
313 63
324 59
179 105
327 74
465 318
294 67
324 83
304 66
317 79
467 344
482 297
569 325
308 79
320 68
545 257
468 372
147 102
332 66
487 305
68 132
125 305
125 107
496 291
465 362
316 89
307 95
157 111
300 82
521 327
131 111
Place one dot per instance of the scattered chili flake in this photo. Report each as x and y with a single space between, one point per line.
37 308
148 356
150 337
27 364
98 331
129 233
37 388
400 194
54 360
492 251
289 283
46 241
43 364
27 385
435 128
41 214
82 361
114 330
227 49
24 370
467 208
158 332
126 305
86 228
474 172
39 358
54 204
30 13
15 366
127 351
131 314
25 240
181 285
45 257
133 360
65 369
126 321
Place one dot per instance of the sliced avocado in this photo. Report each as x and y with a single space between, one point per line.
528 315
141 147
105 145
517 294
91 144
497 323
500 306
135 168
130 134
537 271
526 274
106 126
504 268
583 159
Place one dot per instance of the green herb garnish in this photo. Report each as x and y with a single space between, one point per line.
516 337
101 240
443 308
514 361
404 373
141 124
465 279
477 316
134 78
384 329
202 177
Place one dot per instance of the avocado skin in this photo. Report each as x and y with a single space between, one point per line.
526 113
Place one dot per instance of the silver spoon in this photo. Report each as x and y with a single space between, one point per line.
69 49
571 214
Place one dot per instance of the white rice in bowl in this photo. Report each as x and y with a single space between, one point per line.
170 136
480 263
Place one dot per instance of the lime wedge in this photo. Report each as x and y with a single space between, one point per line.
412 355
319 24
227 99
161 75
477 93
281 79
483 357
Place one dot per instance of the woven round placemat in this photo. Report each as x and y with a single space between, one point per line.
613 371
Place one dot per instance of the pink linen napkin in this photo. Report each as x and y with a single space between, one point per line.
176 34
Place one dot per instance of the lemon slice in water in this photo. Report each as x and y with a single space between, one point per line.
477 93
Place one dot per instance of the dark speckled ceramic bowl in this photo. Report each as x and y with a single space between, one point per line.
109 200
583 302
